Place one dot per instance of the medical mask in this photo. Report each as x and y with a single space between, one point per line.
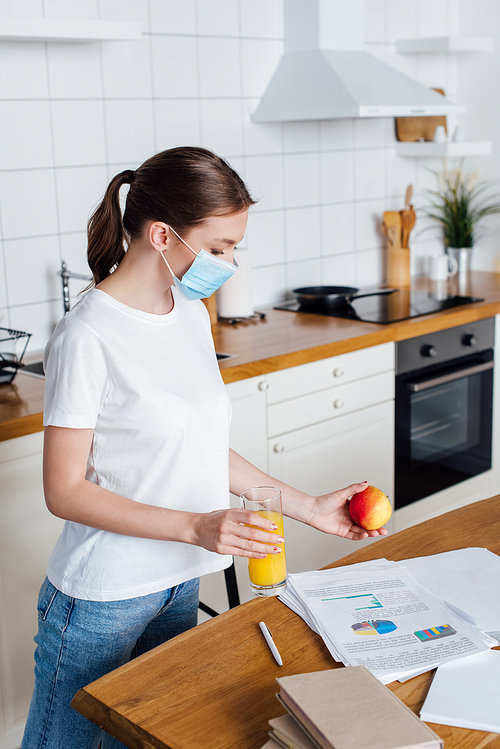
206 274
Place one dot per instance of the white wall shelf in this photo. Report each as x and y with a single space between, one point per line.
19 28
429 149
435 44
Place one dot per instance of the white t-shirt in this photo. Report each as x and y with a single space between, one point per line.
150 388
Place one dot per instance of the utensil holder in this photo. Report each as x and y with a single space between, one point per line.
398 259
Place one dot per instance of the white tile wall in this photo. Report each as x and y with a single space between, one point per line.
337 228
73 115
303 234
130 130
37 187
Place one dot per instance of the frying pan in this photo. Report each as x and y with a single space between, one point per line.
332 296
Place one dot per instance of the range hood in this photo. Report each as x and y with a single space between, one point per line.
325 73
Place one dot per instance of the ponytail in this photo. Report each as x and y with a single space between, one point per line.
181 187
106 234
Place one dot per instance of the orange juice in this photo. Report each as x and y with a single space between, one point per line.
272 569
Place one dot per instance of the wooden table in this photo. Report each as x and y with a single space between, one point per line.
213 687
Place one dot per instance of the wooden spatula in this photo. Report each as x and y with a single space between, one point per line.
408 218
409 193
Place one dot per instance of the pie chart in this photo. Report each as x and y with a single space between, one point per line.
374 627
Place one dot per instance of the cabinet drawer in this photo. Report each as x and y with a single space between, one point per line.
327 404
327 373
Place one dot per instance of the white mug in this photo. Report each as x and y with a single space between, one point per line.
442 267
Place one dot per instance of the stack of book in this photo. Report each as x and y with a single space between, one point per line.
345 708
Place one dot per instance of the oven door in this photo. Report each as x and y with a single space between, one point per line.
443 426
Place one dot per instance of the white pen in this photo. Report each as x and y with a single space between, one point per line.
269 639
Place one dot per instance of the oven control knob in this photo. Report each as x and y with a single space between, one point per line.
429 351
469 340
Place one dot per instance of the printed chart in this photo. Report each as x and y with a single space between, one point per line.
374 627
434 633
352 603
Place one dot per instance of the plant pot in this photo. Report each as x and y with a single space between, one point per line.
463 256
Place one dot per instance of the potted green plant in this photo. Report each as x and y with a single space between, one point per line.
459 206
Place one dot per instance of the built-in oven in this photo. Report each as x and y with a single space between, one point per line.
444 409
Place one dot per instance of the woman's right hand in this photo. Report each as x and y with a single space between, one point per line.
237 532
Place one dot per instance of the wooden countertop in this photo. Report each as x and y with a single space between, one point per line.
282 340
286 339
214 686
21 407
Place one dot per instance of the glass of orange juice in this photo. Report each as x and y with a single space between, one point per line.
267 576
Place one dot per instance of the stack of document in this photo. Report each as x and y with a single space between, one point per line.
345 709
377 614
466 693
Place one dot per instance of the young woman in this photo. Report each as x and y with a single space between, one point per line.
136 455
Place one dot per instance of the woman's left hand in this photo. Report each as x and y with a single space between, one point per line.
330 514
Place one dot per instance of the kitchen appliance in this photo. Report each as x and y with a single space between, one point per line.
444 400
379 305
325 72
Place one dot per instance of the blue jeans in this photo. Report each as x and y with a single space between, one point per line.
79 641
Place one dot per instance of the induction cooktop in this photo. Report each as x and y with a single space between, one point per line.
401 304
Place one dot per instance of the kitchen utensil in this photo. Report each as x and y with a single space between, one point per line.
408 218
393 236
417 128
392 218
409 194
332 296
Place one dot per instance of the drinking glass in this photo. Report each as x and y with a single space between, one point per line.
267 576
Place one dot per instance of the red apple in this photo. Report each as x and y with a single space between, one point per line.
370 509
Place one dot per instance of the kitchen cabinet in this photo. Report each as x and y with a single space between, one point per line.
248 433
318 426
248 437
27 535
330 424
328 456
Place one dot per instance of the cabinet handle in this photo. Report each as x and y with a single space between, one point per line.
278 448
338 403
263 385
338 372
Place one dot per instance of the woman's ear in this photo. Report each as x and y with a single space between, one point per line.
159 235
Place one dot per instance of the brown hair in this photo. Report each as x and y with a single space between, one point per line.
182 187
